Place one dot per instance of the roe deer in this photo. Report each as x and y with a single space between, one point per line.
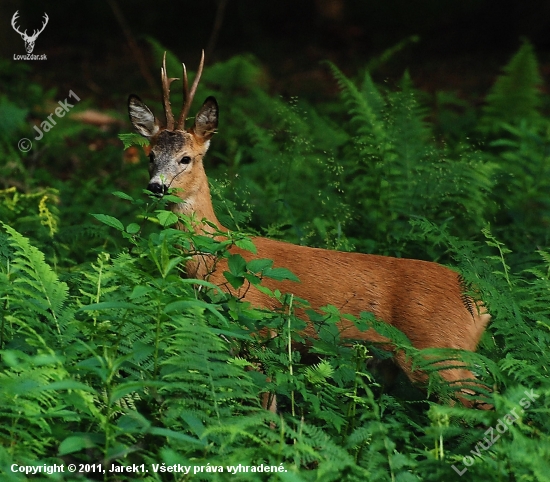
424 300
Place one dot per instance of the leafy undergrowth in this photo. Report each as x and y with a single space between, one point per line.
125 362
111 357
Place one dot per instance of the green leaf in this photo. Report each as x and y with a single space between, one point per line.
124 389
75 443
252 278
258 265
265 290
237 264
280 274
246 244
123 195
170 265
235 281
140 291
171 434
182 306
112 305
171 198
167 218
132 228
109 221
133 422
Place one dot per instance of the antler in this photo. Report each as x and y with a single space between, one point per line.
36 33
13 20
189 94
166 95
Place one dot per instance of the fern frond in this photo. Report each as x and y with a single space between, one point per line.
132 139
36 285
209 382
365 105
515 95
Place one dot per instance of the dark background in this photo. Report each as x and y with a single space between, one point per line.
461 44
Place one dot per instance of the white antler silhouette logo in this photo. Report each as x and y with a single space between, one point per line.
29 40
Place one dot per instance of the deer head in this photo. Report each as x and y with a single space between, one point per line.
176 153
29 40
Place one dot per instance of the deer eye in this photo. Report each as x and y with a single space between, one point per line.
185 160
151 157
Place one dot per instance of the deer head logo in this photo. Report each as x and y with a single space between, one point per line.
29 40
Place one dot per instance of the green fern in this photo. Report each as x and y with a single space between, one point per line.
212 386
29 405
515 96
395 170
108 354
36 287
133 139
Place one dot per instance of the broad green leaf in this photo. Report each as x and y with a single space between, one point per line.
75 443
132 228
166 218
171 198
235 281
280 274
123 195
252 278
258 265
109 221
246 244
237 264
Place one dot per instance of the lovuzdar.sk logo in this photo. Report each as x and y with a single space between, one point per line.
29 39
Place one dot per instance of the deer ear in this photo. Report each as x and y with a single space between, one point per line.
141 117
206 121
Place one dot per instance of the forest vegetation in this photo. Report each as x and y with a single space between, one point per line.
110 355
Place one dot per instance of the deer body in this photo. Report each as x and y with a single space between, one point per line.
422 299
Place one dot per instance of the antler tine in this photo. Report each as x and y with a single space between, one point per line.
14 20
166 95
189 94
184 111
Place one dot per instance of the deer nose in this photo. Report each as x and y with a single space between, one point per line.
156 188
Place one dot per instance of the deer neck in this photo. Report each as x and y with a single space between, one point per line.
197 204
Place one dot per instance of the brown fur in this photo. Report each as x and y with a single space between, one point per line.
422 299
